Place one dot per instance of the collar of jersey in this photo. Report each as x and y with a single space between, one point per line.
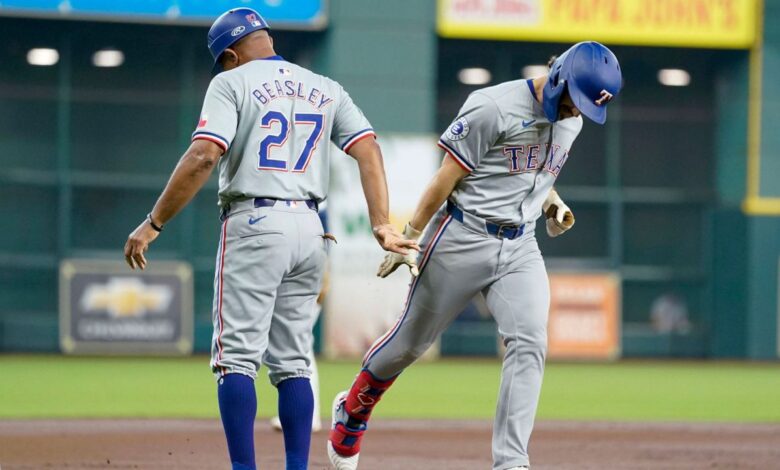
537 106
273 57
530 83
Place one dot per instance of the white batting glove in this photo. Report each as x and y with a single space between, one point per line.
393 260
559 216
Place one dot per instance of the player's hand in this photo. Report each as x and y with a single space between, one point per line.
137 244
393 260
390 240
559 217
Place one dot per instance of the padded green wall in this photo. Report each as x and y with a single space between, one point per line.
384 54
747 248
770 98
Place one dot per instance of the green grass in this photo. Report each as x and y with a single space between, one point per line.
69 387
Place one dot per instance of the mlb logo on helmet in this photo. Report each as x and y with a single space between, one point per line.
253 21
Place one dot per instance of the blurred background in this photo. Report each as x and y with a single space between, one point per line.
677 243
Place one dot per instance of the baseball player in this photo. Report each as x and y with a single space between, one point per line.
266 124
504 152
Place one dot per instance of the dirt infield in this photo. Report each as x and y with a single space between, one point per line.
403 445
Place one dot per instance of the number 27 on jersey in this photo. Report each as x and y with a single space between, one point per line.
274 140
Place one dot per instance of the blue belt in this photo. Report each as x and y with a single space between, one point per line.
269 202
510 232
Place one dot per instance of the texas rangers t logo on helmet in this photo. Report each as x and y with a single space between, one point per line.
606 97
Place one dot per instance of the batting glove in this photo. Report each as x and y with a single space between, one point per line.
393 260
559 216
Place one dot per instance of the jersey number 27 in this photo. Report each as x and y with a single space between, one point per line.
278 140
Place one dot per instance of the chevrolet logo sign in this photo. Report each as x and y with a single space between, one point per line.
126 297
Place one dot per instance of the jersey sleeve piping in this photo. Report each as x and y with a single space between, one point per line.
465 164
210 136
354 138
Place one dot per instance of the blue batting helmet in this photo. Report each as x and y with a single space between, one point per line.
591 74
229 28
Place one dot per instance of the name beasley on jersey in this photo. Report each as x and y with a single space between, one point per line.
525 158
270 91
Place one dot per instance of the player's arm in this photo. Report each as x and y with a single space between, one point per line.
210 140
559 218
190 174
444 181
353 134
472 133
372 176
438 190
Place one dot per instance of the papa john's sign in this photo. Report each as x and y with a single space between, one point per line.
584 316
684 23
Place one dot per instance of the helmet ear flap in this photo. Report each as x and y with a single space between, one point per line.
555 75
553 89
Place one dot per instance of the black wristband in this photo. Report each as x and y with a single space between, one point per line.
157 228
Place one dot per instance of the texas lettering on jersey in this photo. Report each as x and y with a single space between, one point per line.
525 158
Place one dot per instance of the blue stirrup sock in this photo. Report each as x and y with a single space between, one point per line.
296 405
238 407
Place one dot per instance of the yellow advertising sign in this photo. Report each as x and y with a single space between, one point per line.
686 23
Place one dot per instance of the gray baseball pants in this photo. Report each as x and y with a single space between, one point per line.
458 261
269 271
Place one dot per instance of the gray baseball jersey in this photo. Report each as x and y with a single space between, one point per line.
273 119
513 155
270 116
512 152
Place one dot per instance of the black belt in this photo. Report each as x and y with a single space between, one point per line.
510 232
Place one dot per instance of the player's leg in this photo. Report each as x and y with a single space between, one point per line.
250 265
316 419
288 356
314 378
519 300
454 266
